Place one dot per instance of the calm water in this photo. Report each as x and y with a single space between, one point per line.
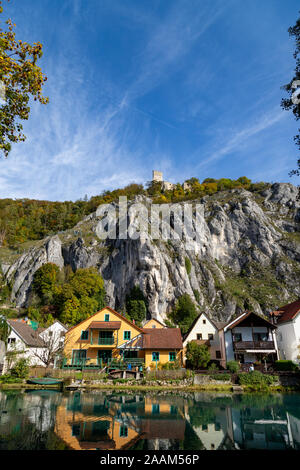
40 419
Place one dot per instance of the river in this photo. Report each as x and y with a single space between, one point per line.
114 420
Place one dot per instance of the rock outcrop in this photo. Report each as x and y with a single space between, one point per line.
246 254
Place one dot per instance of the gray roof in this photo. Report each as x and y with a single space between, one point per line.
220 324
29 335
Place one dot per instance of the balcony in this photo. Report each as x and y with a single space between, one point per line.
254 345
106 341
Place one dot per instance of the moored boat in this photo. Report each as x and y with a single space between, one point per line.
44 381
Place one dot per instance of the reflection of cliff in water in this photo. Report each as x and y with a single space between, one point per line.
27 420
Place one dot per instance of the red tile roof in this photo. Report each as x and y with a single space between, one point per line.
105 325
162 338
287 312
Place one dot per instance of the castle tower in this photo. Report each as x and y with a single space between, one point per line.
157 176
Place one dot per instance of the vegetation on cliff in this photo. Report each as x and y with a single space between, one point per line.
64 295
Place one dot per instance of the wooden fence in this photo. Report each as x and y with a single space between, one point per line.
166 374
64 373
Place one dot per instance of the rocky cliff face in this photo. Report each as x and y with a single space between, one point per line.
246 256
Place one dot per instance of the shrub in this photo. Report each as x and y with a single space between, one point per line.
20 369
197 355
256 378
197 296
171 365
8 379
286 365
188 265
233 366
222 377
213 367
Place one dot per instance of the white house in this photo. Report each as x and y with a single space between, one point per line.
206 331
249 338
35 343
287 320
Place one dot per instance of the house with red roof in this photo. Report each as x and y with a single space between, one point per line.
108 335
287 320
249 338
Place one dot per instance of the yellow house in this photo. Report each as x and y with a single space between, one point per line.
153 323
107 334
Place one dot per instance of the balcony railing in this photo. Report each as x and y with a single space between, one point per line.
243 345
106 341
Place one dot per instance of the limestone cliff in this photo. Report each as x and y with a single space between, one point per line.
247 256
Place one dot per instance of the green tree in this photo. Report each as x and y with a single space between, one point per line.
4 330
184 313
136 305
137 311
292 88
71 314
197 355
45 281
82 296
20 78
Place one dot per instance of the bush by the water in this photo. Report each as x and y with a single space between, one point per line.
20 369
256 378
285 365
9 379
222 377
233 366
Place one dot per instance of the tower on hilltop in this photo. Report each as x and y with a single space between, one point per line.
157 176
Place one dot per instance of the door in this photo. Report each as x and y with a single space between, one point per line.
104 356
79 357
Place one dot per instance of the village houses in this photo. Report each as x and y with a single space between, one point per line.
287 320
41 346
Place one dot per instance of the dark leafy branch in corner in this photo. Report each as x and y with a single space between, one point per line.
292 88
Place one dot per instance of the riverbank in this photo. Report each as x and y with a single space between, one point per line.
144 388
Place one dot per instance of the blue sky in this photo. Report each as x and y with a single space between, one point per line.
187 87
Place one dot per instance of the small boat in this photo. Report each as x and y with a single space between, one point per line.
44 381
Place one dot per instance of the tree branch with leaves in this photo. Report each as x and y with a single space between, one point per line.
20 78
293 88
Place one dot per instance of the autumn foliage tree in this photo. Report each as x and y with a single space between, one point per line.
20 79
293 88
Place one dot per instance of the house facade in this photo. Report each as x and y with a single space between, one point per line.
287 320
206 331
34 343
154 323
108 335
249 338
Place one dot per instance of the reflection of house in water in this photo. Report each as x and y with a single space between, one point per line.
163 423
212 425
294 424
266 428
116 422
88 422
